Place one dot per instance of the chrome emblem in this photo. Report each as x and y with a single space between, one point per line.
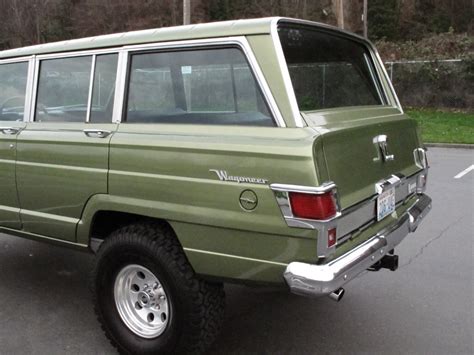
223 176
381 146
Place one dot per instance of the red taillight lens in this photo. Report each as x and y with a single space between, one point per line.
312 206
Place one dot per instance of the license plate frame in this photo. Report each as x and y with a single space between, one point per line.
385 203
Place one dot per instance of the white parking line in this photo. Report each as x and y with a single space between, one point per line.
464 172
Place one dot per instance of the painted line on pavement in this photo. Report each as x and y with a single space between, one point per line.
464 172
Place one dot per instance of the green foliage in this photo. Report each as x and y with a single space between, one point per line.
442 46
220 9
434 84
383 18
444 127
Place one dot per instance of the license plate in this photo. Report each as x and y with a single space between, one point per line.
385 203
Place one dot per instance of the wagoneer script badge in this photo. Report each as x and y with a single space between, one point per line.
223 176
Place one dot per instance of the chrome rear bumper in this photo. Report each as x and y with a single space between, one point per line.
318 280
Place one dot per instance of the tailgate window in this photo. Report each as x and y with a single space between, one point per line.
328 69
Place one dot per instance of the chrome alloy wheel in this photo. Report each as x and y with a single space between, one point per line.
141 301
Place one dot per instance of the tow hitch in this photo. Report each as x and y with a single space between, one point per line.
389 261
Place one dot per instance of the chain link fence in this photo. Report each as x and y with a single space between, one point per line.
436 84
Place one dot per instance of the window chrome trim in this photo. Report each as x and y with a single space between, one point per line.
372 66
239 41
382 71
38 60
29 73
16 60
93 54
29 89
120 84
290 92
34 90
91 88
83 53
122 68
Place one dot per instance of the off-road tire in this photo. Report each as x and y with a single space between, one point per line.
197 306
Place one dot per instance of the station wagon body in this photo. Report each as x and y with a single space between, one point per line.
274 151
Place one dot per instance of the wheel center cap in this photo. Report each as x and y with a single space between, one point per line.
144 299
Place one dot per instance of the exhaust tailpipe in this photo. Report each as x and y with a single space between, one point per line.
337 295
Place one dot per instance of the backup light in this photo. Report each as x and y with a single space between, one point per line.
313 206
332 237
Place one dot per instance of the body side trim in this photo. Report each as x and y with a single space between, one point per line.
235 257
42 238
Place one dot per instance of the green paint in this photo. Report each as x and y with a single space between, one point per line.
61 179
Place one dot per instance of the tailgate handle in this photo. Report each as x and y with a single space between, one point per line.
381 145
9 130
96 133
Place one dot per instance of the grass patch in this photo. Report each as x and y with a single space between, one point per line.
444 127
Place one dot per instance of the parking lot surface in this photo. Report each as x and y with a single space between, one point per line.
425 307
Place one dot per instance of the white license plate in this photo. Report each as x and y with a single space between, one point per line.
385 203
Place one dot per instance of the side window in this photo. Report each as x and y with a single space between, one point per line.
209 88
205 86
150 90
13 78
63 90
104 88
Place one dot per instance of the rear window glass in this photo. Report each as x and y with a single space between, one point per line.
201 86
328 70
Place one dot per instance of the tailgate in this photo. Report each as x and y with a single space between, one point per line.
355 162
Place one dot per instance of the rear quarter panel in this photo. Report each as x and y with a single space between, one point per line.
164 171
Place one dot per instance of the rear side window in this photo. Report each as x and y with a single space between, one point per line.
328 70
68 90
13 78
206 86
63 89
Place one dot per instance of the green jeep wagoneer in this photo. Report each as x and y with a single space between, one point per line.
269 151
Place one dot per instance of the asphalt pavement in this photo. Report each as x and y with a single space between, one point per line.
426 307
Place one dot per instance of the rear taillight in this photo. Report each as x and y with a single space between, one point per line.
313 206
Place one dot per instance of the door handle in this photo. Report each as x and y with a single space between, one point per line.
96 133
10 130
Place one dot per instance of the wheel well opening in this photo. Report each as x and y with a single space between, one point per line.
105 222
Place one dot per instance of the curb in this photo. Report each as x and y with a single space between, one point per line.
450 145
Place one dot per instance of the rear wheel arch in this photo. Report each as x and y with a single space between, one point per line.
196 307
105 222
